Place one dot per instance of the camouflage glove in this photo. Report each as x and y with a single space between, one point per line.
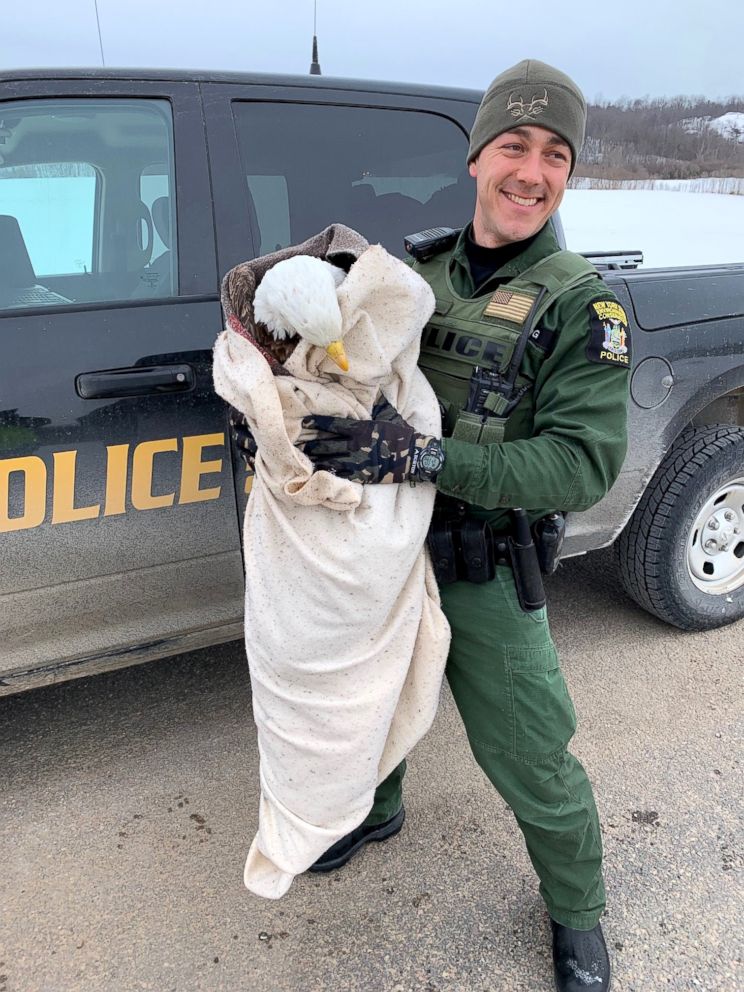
386 449
243 438
384 410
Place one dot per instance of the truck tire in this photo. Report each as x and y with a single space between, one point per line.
681 555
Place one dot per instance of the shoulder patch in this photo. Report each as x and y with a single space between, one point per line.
609 334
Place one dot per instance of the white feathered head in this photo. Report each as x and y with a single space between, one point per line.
298 297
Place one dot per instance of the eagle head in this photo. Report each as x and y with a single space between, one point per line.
297 297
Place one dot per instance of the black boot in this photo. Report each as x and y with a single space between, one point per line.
345 849
580 959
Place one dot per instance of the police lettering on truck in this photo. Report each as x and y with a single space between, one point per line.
23 482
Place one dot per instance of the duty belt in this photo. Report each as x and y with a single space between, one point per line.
465 549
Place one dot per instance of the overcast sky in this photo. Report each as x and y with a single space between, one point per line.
612 48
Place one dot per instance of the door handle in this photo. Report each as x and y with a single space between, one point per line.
136 381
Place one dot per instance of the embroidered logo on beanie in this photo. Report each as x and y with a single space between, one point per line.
536 106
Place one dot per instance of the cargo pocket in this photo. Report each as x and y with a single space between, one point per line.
543 714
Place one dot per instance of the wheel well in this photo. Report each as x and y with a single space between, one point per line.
727 409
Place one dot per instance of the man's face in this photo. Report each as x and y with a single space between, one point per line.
520 179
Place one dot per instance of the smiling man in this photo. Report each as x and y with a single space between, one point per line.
520 179
525 357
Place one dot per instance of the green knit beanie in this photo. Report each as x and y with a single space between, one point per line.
531 92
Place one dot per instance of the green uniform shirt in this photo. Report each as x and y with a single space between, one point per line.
565 442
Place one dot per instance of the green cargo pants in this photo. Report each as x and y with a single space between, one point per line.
504 675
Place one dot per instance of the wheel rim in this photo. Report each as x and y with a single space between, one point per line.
715 547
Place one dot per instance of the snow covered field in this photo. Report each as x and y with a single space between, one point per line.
670 228
710 184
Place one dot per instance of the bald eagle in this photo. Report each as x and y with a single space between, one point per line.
297 299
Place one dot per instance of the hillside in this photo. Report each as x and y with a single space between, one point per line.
680 138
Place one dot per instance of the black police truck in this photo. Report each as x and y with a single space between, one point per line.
123 198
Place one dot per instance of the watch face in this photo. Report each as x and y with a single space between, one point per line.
431 461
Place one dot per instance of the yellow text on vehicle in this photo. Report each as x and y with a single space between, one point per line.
129 475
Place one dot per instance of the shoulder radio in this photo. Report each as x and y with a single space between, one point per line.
426 244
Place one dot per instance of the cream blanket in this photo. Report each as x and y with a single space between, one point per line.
345 637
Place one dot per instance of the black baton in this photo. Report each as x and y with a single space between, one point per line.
525 564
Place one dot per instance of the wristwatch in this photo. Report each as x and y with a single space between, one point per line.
430 461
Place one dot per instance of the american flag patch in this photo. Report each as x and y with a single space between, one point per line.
509 306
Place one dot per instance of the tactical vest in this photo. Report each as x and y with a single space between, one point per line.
489 331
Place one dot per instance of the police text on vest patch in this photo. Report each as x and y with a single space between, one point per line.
609 338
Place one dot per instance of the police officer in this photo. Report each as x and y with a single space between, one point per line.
529 355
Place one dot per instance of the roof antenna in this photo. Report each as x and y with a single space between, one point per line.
315 65
100 42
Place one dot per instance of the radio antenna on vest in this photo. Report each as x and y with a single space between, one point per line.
315 65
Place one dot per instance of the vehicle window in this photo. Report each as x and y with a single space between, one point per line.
387 173
271 203
87 204
65 189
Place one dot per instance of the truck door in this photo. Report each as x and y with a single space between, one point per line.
292 160
118 526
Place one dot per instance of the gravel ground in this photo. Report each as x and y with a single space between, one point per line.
128 801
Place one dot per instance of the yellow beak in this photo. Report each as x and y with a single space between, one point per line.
337 354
